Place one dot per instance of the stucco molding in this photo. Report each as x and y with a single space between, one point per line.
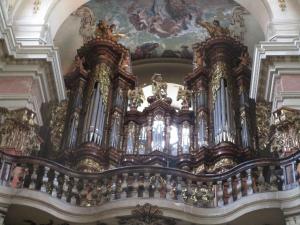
268 50
18 50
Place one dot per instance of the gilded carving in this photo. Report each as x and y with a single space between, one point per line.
89 166
102 75
185 96
57 117
219 71
135 97
286 138
222 165
263 113
18 131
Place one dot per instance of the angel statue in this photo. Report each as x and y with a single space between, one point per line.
135 97
159 87
105 31
214 29
185 96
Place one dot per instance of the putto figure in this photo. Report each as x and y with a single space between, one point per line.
215 29
135 97
159 87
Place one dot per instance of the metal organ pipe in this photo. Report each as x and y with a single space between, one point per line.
224 127
93 129
98 129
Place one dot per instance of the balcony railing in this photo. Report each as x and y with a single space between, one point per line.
95 189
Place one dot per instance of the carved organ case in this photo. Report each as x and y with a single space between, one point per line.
221 104
210 133
93 131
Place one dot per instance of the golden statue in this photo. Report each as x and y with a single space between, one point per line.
135 97
215 29
105 31
159 87
185 96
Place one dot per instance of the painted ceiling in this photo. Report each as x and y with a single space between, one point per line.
156 28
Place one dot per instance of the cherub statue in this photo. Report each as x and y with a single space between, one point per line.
79 65
185 96
159 87
245 59
198 60
105 31
215 29
125 62
135 97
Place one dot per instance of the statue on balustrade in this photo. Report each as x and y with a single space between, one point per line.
214 29
159 87
135 97
185 96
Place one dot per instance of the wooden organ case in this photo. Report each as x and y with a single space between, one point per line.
212 132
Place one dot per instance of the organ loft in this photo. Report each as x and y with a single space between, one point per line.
211 132
149 112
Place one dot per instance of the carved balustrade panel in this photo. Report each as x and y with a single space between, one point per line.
82 189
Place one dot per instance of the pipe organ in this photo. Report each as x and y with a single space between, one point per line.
211 132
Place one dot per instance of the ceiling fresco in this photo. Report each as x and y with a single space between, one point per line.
161 28
155 28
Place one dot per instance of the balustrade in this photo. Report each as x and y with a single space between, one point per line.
94 189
